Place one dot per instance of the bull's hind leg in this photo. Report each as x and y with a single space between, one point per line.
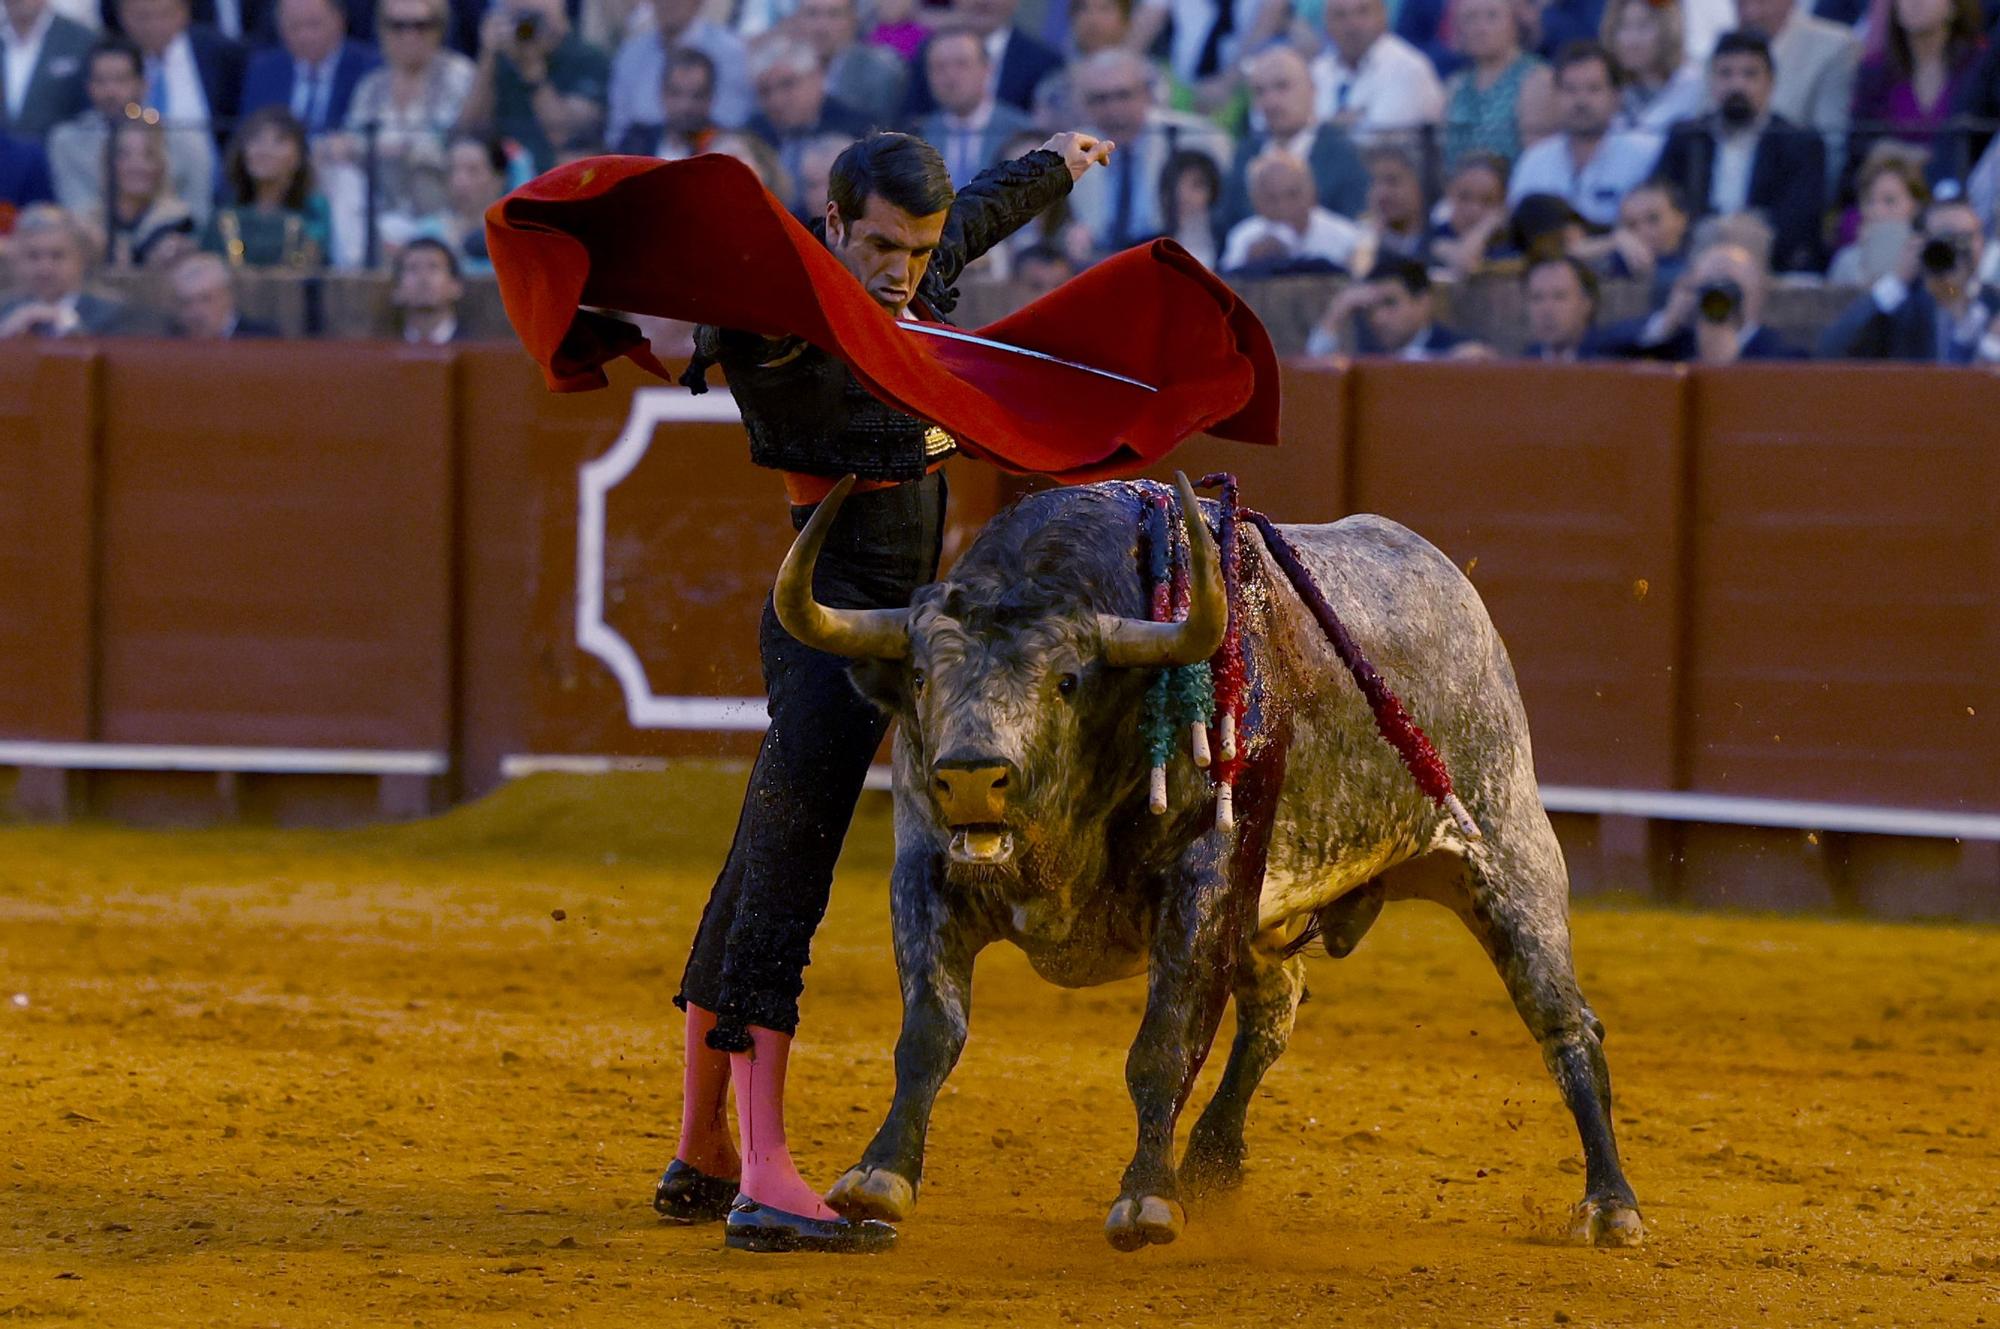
1268 989
1516 903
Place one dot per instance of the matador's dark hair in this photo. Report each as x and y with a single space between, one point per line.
906 171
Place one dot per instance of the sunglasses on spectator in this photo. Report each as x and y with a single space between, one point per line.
411 24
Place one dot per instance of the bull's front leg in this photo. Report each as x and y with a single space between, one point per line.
1193 963
934 954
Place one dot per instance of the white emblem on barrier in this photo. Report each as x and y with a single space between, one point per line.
651 408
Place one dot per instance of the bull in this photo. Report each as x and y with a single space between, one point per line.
1021 815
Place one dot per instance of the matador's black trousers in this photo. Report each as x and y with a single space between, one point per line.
755 939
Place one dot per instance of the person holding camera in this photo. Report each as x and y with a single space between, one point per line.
537 82
1713 315
1932 308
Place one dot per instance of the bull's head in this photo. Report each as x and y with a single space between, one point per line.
994 677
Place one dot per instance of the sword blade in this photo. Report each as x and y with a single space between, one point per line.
953 334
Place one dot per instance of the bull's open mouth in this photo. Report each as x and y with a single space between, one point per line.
984 842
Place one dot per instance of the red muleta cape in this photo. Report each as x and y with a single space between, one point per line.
701 240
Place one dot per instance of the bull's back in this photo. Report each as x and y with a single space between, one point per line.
1350 809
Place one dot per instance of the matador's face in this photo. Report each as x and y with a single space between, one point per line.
886 249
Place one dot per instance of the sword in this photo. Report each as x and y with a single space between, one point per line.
953 334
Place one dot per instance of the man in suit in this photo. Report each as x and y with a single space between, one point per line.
426 293
1281 88
1368 79
51 252
793 108
204 294
41 67
1392 313
1121 205
248 22
638 68
1560 295
1816 60
313 70
1019 62
969 129
114 78
687 101
1745 158
24 173
1714 316
194 74
1933 308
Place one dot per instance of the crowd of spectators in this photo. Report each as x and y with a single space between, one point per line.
1709 149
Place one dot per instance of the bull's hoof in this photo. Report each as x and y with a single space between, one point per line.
1606 1221
872 1192
1207 1170
1152 1220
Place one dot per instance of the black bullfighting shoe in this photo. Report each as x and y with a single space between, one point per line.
758 1227
689 1195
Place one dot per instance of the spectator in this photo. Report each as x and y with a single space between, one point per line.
274 217
1713 315
204 295
1893 194
314 70
1933 307
1816 62
869 78
969 128
1290 230
816 173
475 179
1651 238
638 71
24 176
1281 90
893 26
1589 164
1474 223
1094 25
1190 195
687 98
1908 90
1019 61
426 293
793 108
415 97
43 57
1561 297
1543 224
1502 86
1204 39
1392 314
1119 205
194 74
1370 80
1041 268
1743 157
76 148
1661 86
51 254
1395 221
755 153
146 225
537 83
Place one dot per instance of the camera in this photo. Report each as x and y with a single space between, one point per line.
1719 301
1943 255
527 26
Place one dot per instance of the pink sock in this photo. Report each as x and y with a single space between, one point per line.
705 1142
769 1176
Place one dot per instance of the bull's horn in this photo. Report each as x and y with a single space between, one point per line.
859 634
1136 643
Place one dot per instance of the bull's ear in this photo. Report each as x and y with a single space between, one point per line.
884 682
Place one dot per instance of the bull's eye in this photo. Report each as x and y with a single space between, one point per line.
916 680
1066 685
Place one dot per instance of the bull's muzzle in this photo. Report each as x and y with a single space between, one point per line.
971 795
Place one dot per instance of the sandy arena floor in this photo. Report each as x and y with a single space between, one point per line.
296 1079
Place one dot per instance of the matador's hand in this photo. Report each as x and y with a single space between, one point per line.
1080 152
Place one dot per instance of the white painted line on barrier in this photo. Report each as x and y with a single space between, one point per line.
651 407
171 757
1729 810
880 778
